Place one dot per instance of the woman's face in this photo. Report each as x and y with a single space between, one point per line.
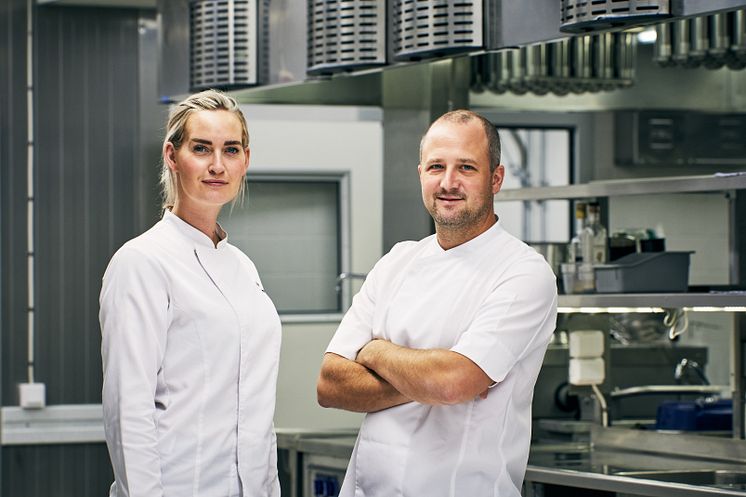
211 162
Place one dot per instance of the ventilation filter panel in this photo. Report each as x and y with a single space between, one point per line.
431 28
579 16
345 35
228 43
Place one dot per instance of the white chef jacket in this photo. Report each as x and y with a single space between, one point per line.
190 348
492 299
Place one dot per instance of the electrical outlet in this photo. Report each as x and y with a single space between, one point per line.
587 371
586 344
32 395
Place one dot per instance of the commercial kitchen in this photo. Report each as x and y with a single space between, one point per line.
623 122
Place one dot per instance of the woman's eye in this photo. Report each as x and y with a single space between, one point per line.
199 148
232 150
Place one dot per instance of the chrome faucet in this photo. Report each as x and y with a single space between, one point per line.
347 276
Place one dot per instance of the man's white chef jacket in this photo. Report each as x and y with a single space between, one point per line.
190 348
493 300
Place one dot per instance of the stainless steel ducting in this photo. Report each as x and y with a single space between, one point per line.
588 63
227 43
431 28
578 16
345 35
710 41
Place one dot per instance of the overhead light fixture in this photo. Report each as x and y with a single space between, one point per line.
647 36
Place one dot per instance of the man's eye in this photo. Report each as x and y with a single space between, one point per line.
435 166
469 167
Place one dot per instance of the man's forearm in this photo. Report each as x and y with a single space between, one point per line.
345 384
428 376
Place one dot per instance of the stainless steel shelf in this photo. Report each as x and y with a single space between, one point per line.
664 300
676 184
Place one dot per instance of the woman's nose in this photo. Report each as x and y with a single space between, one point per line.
216 165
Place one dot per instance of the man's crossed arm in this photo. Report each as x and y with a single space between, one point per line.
385 375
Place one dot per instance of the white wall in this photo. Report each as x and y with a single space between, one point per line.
308 139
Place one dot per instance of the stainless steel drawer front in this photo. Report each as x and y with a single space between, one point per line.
589 15
427 28
345 35
224 47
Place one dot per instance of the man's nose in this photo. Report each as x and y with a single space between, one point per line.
449 180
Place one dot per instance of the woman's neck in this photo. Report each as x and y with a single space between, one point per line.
205 220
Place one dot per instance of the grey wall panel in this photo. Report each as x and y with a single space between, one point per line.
90 167
86 170
60 471
13 192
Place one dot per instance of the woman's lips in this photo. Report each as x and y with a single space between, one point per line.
214 182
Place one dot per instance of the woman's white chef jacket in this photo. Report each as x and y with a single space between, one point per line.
493 300
190 348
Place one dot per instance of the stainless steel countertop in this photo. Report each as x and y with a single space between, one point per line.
603 469
569 464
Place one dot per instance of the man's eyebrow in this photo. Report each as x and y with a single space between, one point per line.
460 161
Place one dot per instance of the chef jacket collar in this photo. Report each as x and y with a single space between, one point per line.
474 244
193 233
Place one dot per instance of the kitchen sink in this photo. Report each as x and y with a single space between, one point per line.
735 480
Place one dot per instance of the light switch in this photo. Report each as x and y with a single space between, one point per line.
32 395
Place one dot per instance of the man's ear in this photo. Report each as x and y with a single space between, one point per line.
498 175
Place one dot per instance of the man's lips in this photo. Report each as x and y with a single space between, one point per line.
449 198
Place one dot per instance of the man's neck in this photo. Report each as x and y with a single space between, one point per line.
449 238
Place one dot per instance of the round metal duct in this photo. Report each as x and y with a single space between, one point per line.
710 41
227 43
345 35
578 16
431 28
587 63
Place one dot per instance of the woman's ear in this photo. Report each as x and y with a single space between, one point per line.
248 155
169 155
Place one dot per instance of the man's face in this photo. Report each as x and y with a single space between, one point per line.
457 185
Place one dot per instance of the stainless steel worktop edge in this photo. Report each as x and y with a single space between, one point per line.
625 484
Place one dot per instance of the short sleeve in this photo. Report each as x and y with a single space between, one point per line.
356 328
517 316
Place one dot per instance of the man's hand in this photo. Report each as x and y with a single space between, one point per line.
428 376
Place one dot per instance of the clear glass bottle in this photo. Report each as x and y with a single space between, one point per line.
595 241
576 248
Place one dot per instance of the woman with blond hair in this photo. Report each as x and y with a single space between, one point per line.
190 340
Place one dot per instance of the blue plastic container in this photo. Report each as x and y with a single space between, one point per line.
696 415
